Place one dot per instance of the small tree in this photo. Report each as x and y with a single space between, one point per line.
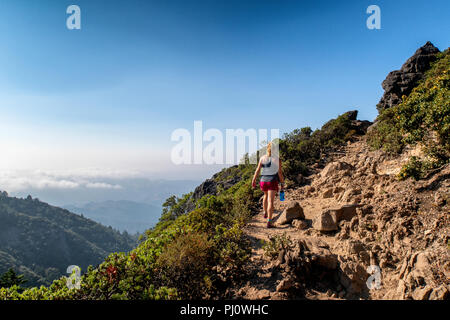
11 278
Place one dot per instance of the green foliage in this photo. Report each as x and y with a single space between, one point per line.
415 168
277 243
11 278
427 108
185 264
303 147
422 117
174 207
387 134
56 291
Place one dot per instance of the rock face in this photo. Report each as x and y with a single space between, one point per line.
292 211
209 186
401 82
416 278
328 220
307 260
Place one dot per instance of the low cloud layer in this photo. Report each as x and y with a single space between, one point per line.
14 181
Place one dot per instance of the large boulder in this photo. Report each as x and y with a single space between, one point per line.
328 220
401 82
292 211
346 212
325 221
343 168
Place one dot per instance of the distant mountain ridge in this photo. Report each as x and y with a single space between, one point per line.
41 241
122 215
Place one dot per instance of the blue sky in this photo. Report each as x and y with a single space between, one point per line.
109 95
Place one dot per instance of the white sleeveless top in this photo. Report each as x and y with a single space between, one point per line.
269 169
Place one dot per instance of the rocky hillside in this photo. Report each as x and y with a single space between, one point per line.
352 214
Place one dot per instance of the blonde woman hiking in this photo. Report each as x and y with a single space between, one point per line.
270 167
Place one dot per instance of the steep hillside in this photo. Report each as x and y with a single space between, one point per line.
41 241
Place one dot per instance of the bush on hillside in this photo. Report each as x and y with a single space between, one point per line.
301 148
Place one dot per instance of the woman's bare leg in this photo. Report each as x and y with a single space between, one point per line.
265 200
271 200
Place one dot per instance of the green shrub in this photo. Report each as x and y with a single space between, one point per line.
413 168
11 278
386 134
277 243
185 264
416 168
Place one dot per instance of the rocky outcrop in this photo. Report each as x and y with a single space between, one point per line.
416 279
222 180
209 186
305 260
401 82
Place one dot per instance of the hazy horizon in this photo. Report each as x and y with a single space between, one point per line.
72 103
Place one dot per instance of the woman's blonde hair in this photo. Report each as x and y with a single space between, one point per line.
269 149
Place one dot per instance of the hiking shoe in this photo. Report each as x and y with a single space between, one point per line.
269 224
265 215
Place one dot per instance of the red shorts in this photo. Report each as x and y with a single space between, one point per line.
266 186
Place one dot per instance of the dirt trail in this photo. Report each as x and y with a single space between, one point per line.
263 283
